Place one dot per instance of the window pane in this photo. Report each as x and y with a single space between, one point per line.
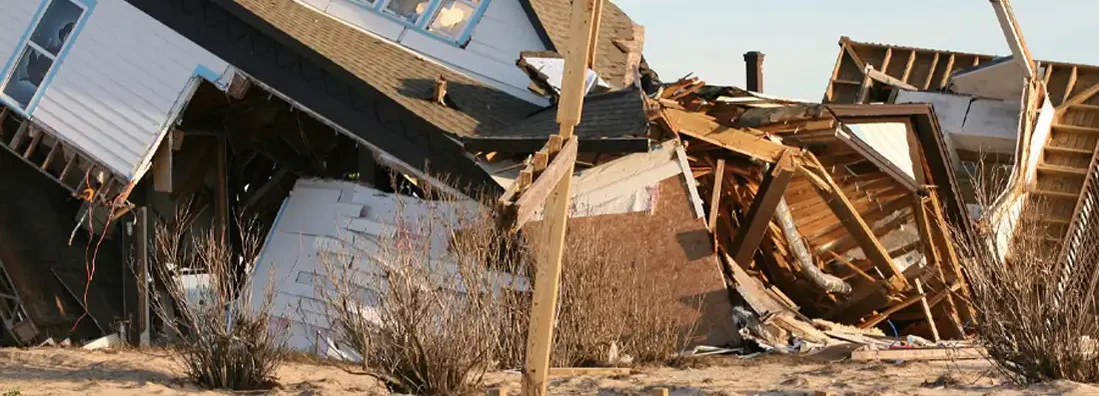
452 18
409 10
56 25
27 76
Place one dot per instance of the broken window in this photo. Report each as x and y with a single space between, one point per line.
38 54
408 10
452 20
453 17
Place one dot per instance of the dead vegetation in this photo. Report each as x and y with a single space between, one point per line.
446 297
1035 311
614 313
424 321
226 338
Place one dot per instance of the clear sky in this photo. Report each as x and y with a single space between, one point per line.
800 37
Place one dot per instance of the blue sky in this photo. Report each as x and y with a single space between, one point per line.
800 37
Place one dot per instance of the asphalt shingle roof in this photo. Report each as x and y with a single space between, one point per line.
404 76
613 114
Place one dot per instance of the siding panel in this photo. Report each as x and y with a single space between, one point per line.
117 90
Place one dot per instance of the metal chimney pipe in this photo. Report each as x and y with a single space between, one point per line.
754 66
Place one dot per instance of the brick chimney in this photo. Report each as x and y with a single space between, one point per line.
753 62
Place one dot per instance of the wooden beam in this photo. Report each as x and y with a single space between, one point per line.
715 196
927 228
1071 84
881 317
950 258
39 133
853 267
931 72
854 56
578 371
920 354
947 72
908 66
162 166
535 196
579 57
221 201
736 140
888 58
927 310
887 79
57 147
852 221
749 235
1079 98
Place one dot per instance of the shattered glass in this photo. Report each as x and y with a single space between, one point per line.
56 25
453 18
27 76
408 10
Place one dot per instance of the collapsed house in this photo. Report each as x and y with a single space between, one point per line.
226 104
314 115
843 212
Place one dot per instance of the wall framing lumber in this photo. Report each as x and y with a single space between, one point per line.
750 234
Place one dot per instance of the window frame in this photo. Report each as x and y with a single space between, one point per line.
26 44
422 24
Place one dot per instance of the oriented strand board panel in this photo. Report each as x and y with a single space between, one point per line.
672 252
125 77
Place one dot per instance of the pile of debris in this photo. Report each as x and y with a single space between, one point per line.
837 212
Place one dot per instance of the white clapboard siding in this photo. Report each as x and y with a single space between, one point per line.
121 84
503 32
15 15
348 219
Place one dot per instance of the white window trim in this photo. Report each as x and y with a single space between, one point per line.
422 24
55 59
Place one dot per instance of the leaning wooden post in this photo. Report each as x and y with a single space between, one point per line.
579 58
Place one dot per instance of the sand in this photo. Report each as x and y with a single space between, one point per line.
55 371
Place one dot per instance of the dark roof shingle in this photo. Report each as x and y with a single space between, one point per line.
615 114
614 62
402 75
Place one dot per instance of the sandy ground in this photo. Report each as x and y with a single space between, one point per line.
76 372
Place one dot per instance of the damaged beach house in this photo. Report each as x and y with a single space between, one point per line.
227 104
783 217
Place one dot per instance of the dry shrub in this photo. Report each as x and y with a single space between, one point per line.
429 325
226 339
424 321
1035 314
610 303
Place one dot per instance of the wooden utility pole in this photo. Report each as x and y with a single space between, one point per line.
579 57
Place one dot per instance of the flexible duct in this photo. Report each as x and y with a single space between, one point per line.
801 254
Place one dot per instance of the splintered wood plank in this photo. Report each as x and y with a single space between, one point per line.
1081 97
35 141
921 354
946 74
908 66
931 72
748 236
715 196
736 140
535 196
1071 84
57 148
